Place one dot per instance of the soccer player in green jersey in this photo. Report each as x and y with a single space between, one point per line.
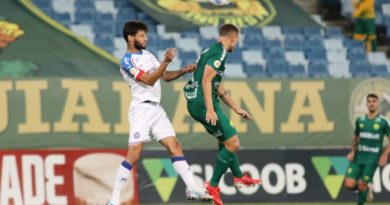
367 149
203 92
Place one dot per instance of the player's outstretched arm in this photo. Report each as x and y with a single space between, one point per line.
151 78
168 76
227 99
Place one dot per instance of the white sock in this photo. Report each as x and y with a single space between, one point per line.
122 174
181 167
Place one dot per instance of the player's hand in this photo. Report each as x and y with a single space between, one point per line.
350 156
170 55
244 114
189 68
211 117
383 160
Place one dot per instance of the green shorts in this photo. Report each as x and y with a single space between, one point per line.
222 131
361 172
365 26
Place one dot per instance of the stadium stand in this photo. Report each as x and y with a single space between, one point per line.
294 50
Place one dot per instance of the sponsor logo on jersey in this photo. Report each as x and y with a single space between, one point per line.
217 63
357 102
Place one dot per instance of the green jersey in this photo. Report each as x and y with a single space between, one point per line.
371 133
214 57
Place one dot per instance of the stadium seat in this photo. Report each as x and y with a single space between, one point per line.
386 9
291 30
83 30
275 54
291 44
105 42
209 32
318 70
107 17
314 44
312 30
316 54
255 70
377 58
44 4
253 43
166 43
339 69
350 43
273 33
297 71
379 70
85 4
63 6
277 68
85 16
106 6
120 44
356 54
333 44
104 29
296 58
360 69
205 43
252 57
270 44
234 57
249 31
334 32
63 18
188 56
234 70
188 44
336 56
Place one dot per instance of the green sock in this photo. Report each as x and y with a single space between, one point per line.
235 165
224 159
362 197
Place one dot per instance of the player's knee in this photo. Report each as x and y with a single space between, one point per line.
362 187
349 184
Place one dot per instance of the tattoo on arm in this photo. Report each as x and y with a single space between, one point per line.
224 94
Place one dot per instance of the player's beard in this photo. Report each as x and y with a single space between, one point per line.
138 45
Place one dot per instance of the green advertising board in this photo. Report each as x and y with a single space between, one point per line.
92 112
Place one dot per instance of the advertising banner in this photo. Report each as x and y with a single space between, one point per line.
287 176
62 177
93 112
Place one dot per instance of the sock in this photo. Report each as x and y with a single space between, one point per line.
181 167
122 174
235 165
362 197
223 161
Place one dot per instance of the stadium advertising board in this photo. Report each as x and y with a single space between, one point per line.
287 176
61 177
69 112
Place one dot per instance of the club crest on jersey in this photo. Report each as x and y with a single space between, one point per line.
133 71
136 135
376 126
217 63
357 101
361 125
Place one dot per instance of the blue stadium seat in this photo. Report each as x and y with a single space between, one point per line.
314 44
277 68
269 44
316 54
360 69
293 45
318 70
205 43
105 43
291 30
192 32
188 55
104 29
124 4
43 4
253 43
255 70
104 17
350 43
248 31
166 43
235 57
63 18
297 71
334 32
275 54
319 62
85 4
312 30
85 16
356 54
379 70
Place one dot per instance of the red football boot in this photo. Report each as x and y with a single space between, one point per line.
214 192
246 181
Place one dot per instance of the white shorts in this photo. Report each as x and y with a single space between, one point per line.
146 120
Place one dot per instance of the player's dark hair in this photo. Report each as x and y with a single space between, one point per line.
226 29
132 27
372 95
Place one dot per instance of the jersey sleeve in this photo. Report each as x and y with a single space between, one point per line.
131 69
215 60
387 127
357 130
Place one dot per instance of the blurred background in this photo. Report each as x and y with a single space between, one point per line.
302 68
